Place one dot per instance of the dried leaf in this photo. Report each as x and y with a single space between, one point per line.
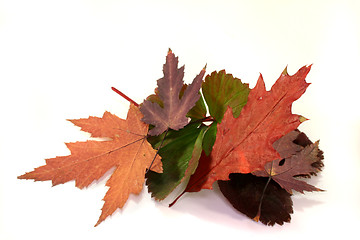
173 114
295 161
245 191
244 144
196 113
128 151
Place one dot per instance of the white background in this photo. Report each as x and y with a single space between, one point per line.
58 60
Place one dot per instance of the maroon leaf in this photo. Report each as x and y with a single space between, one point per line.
296 161
173 113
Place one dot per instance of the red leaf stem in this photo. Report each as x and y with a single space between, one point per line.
124 96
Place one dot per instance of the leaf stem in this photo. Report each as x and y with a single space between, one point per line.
124 96
157 152
208 119
257 217
205 119
171 204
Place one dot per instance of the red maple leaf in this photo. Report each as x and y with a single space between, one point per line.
244 144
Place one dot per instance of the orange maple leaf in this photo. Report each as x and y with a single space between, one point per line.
126 149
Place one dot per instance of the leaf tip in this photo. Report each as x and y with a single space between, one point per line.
303 119
285 72
169 51
256 218
97 223
21 177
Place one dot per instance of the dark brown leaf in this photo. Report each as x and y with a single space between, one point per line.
244 192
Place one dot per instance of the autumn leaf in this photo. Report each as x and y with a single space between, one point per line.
173 114
244 144
246 191
220 90
265 195
128 152
293 163
196 113
108 126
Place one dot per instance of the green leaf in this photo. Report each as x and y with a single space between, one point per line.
196 154
222 90
179 149
209 138
198 111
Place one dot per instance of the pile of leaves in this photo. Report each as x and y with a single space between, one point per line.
248 143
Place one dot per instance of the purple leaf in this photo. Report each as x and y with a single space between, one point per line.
173 114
